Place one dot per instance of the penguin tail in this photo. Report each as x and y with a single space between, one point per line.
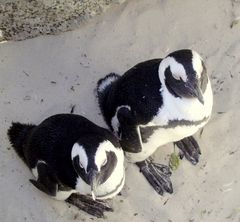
103 87
17 134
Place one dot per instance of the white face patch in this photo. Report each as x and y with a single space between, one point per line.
100 156
176 68
197 64
35 171
115 122
79 150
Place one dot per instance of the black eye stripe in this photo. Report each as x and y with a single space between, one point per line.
76 164
80 171
109 167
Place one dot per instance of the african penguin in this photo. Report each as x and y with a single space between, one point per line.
69 154
154 103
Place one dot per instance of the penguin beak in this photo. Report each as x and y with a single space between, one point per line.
93 181
195 91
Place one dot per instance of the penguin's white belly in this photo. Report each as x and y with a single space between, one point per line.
177 119
162 136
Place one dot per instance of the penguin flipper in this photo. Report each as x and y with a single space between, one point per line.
46 181
129 131
190 149
51 191
157 175
88 205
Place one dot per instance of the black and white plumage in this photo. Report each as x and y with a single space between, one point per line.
69 154
157 102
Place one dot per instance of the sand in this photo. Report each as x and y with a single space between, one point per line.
46 75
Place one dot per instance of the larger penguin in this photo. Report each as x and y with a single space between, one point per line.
154 103
68 154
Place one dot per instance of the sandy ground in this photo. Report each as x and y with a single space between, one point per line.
47 75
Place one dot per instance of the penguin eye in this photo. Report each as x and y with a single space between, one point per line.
105 162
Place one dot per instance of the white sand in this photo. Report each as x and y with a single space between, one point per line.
135 31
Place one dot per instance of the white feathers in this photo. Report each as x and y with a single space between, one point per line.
114 183
35 171
174 108
100 156
184 108
63 195
176 68
93 196
80 151
106 82
197 63
115 122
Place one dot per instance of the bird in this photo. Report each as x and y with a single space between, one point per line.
154 103
71 159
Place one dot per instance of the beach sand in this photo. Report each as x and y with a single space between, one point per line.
47 75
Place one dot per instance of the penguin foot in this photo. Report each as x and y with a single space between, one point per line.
87 204
157 175
190 149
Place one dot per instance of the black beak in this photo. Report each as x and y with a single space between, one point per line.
195 91
93 181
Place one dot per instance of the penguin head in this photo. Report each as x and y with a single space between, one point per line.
184 74
95 159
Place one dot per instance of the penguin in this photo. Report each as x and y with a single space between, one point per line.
68 154
154 103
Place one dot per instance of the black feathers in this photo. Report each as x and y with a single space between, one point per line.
18 134
52 141
184 57
138 87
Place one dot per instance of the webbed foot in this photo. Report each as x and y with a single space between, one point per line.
90 206
157 175
190 149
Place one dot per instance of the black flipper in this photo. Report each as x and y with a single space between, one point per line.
129 133
190 149
157 175
46 181
88 205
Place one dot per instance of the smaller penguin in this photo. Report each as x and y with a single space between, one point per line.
71 159
154 103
